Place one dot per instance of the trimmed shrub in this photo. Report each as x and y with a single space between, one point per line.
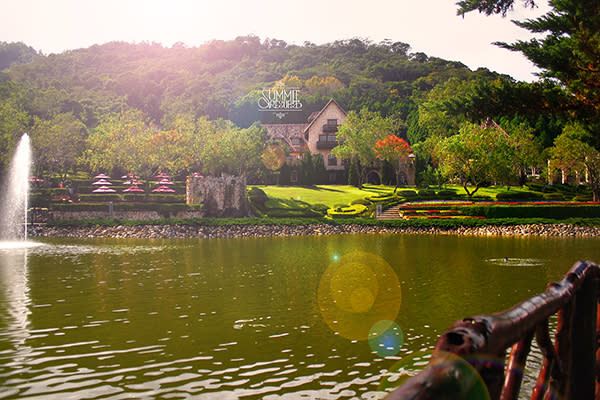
426 193
584 197
257 198
554 196
446 194
518 196
347 212
532 211
406 193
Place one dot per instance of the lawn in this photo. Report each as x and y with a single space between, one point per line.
329 195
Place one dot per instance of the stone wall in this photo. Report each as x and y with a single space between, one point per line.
126 215
222 197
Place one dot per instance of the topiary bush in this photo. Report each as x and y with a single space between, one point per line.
257 198
426 194
556 196
518 196
352 211
446 194
406 193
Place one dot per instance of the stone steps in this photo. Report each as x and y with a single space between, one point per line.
390 214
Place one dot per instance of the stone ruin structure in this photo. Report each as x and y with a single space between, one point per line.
224 196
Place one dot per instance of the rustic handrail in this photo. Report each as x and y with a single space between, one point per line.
473 350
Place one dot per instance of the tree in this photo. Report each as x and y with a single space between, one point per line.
476 155
526 149
570 52
357 138
243 148
571 154
123 142
490 6
395 151
58 143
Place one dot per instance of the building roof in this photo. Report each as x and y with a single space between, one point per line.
332 101
285 131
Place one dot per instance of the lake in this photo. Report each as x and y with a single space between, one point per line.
322 317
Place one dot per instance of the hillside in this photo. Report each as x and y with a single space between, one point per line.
218 78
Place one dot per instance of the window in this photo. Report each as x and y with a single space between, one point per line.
331 138
294 176
322 138
296 141
332 122
331 160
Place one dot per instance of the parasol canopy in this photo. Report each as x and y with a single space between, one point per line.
163 189
133 189
102 182
103 189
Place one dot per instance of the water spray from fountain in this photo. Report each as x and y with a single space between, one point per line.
14 205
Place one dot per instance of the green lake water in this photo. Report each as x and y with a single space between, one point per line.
272 318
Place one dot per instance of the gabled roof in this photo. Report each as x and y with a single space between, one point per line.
321 112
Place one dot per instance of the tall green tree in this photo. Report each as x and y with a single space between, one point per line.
572 154
476 155
123 142
58 143
357 138
570 51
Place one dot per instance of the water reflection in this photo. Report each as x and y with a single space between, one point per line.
16 291
235 318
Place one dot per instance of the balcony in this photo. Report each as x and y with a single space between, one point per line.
326 145
329 128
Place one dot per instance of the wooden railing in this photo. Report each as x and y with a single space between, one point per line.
473 350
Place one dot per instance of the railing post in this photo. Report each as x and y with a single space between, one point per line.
515 368
582 357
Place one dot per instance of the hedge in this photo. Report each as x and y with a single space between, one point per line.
532 211
132 197
518 196
352 211
160 208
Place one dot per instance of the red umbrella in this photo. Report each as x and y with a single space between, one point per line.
130 176
164 181
132 182
162 175
102 176
163 189
102 182
134 189
104 189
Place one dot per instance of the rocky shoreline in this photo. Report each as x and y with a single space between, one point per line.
243 231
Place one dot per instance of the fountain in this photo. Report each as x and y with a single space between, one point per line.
13 208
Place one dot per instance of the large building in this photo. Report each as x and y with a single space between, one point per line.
318 136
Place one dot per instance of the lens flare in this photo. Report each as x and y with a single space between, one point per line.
357 291
273 157
386 338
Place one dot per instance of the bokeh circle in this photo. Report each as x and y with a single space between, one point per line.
273 157
356 292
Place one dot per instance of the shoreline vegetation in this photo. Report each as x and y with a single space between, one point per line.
255 227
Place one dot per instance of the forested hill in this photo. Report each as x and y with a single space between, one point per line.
222 79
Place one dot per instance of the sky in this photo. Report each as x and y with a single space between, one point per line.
429 26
